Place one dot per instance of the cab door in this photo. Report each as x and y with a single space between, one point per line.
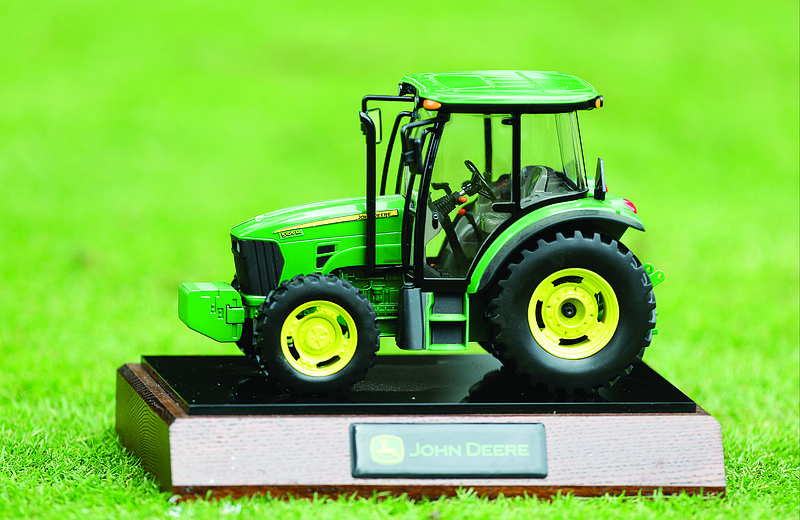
450 242
444 243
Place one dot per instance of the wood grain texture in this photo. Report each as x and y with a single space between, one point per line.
142 421
432 491
301 455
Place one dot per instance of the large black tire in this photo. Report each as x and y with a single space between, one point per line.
316 334
571 312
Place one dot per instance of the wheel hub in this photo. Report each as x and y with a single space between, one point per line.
569 310
573 313
317 334
318 338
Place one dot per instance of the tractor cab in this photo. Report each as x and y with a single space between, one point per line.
477 151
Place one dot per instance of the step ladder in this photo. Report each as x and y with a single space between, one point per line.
447 323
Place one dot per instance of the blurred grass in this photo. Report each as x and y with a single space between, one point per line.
133 135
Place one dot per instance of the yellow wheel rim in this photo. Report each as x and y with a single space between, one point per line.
573 313
318 338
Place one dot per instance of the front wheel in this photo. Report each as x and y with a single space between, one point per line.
316 334
572 313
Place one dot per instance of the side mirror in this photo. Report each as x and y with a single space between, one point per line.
375 115
600 188
413 155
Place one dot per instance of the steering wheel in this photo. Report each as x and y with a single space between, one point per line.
478 184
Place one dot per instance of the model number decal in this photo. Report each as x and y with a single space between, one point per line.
291 233
297 230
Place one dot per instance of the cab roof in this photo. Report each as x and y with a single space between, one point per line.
538 91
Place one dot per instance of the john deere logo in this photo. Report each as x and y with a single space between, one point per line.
442 450
386 449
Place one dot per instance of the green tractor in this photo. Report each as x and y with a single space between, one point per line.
521 254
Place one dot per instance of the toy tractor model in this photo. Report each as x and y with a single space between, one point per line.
521 254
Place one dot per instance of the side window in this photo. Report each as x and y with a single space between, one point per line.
453 240
551 156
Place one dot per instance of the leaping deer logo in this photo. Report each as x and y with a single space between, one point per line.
387 449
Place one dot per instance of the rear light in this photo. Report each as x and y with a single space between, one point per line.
630 205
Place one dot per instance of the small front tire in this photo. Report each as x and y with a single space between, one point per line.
316 334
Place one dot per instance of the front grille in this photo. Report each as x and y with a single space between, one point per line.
258 265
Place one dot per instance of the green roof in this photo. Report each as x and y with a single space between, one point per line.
502 87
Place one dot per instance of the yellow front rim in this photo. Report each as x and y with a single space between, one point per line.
318 338
573 313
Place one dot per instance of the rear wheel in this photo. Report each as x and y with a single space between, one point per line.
316 334
572 313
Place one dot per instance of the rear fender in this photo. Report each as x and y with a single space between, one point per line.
607 221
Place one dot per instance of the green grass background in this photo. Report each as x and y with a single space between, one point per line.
134 134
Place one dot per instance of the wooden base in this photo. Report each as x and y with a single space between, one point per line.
305 451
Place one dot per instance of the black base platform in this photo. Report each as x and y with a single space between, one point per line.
215 426
236 385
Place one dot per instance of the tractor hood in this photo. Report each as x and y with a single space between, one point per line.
321 237
322 220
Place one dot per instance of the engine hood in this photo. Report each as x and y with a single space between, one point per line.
319 220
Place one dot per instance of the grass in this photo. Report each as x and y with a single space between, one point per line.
133 135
